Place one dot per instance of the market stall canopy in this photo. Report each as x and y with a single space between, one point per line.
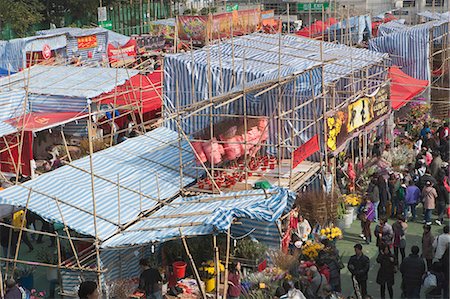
144 91
67 81
404 87
148 164
73 31
6 129
205 214
434 15
36 121
13 52
409 47
316 28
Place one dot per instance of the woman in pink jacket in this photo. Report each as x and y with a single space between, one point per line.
429 196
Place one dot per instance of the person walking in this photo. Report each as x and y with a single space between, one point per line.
359 265
385 196
429 196
399 228
367 217
441 246
427 245
437 292
412 198
88 290
385 276
149 281
384 233
234 281
441 200
412 269
374 194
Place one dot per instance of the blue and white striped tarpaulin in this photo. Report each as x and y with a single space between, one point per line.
11 104
253 59
203 215
267 232
69 81
358 27
409 48
147 164
391 27
13 52
434 15
6 129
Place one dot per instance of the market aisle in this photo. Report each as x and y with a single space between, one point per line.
351 237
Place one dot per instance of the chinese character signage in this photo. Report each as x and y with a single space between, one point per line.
313 6
87 42
342 124
305 150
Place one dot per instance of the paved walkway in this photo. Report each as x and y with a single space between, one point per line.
351 237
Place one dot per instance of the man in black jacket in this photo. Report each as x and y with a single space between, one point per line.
412 269
359 265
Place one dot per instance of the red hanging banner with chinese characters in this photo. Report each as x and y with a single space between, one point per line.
306 150
87 42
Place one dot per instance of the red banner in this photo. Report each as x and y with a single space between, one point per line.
196 28
123 55
192 28
306 150
87 42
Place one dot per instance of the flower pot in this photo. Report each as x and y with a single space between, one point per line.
348 220
350 210
210 284
340 223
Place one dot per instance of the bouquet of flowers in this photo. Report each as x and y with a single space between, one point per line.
34 294
311 249
331 233
208 270
352 200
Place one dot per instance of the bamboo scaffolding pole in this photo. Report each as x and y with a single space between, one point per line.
118 199
38 232
65 146
194 268
113 128
58 200
227 261
19 238
116 184
39 264
8 148
94 204
279 123
2 293
58 246
216 265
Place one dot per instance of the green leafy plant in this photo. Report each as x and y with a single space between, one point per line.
249 249
47 256
24 271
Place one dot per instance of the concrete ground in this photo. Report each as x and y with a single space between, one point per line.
351 237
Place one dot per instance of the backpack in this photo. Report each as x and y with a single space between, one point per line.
429 282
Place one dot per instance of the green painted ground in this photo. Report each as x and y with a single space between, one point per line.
351 237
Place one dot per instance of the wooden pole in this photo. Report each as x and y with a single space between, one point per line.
94 204
19 239
65 146
216 265
227 261
194 268
118 199
58 246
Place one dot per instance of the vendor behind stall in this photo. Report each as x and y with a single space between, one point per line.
149 281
